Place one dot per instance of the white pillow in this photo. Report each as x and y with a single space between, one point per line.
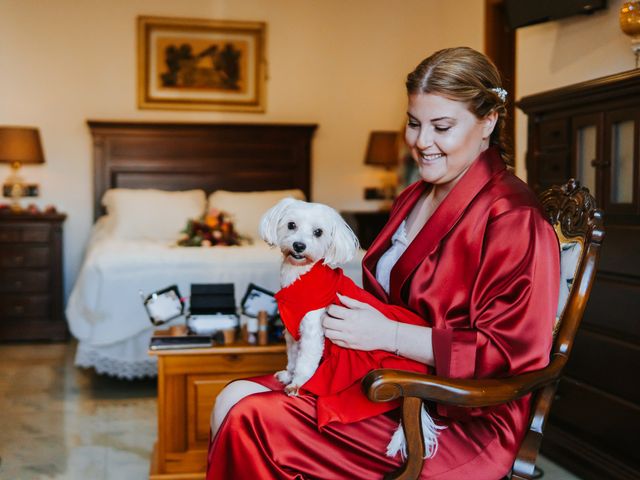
246 208
136 214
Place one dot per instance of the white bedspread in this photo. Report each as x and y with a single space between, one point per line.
105 311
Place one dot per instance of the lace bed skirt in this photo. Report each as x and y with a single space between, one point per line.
127 359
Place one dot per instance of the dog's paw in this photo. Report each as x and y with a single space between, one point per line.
292 390
284 377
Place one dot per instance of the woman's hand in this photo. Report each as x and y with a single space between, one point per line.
357 325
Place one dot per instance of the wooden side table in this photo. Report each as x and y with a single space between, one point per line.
188 382
366 224
31 292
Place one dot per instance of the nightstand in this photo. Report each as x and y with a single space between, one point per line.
31 302
366 224
189 381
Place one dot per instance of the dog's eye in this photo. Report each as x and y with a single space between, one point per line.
291 225
317 232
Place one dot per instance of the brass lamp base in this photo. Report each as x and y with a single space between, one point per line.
15 192
14 188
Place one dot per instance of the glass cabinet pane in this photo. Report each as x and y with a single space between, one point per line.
586 149
622 162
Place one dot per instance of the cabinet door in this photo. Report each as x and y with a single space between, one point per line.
587 153
551 152
202 391
621 172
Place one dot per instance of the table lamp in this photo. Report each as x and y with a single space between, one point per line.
383 151
19 145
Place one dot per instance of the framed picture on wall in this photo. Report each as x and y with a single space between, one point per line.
192 64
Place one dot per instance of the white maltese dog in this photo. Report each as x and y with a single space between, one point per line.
306 233
314 239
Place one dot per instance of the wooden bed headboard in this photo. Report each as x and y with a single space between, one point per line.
210 156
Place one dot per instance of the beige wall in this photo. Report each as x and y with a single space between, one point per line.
564 52
338 63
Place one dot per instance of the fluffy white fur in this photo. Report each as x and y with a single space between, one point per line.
430 430
307 233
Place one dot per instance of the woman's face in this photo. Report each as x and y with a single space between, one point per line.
445 137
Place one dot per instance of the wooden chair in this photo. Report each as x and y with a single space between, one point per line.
578 224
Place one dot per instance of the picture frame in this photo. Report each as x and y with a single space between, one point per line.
199 64
163 305
257 298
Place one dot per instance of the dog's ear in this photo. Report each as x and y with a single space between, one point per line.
344 243
270 220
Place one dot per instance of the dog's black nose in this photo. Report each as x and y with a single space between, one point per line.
299 247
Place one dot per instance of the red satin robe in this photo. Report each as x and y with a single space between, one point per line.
484 271
336 381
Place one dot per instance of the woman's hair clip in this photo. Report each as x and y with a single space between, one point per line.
501 92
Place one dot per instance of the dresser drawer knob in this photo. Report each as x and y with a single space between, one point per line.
19 259
18 309
600 163
18 284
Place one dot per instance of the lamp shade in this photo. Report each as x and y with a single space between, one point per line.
20 144
383 149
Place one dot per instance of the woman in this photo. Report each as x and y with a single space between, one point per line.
468 249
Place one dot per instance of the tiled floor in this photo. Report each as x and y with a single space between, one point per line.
61 422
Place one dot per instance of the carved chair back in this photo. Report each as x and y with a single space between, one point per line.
579 226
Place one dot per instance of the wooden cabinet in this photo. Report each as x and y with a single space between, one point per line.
591 131
366 224
189 381
31 287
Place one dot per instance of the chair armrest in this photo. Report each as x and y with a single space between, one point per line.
385 385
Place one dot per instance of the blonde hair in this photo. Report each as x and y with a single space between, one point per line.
465 75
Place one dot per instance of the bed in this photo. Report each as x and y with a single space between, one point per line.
149 179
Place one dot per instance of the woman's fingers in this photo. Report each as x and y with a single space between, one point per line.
332 323
334 335
352 302
350 307
337 311
334 330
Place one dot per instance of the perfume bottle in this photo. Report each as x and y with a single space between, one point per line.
263 323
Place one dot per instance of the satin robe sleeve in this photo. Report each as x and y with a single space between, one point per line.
512 305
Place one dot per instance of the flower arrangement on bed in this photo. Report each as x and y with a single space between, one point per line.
214 229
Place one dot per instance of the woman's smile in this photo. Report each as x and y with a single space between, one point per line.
430 157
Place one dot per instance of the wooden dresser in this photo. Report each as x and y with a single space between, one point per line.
189 381
31 287
591 131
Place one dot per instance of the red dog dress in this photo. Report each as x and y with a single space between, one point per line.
336 382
